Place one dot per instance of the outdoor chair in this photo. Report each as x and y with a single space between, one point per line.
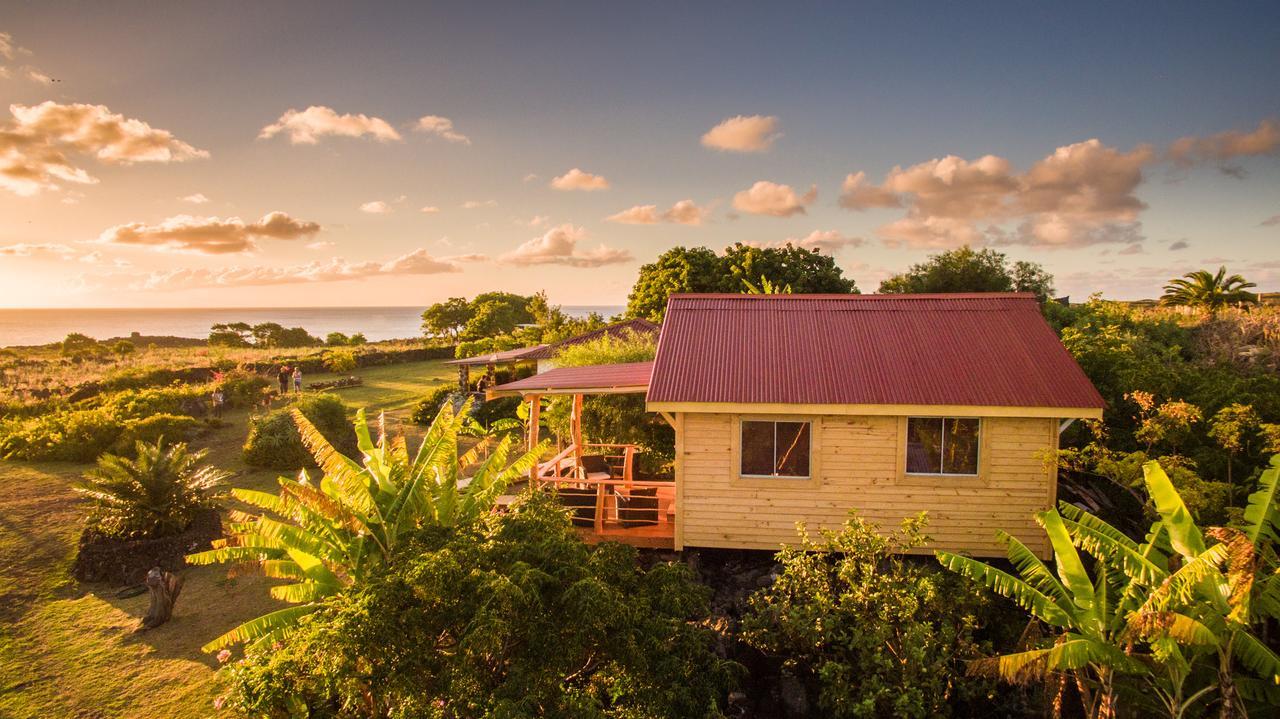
638 507
582 502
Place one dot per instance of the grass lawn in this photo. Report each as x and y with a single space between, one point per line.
68 649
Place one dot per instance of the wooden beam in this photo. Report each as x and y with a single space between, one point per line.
897 410
535 415
669 418
575 427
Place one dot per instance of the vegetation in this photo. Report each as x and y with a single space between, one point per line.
512 616
1174 623
339 361
610 349
878 633
266 334
155 494
330 535
699 269
967 270
1208 291
275 443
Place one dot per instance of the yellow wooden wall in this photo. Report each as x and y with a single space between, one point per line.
858 463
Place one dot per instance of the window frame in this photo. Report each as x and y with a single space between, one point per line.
742 426
978 472
771 482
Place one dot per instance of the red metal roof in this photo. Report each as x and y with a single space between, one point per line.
632 377
992 349
520 353
616 330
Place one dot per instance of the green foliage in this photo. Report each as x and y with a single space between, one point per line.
610 349
486 345
426 409
967 270
152 428
880 634
446 319
156 494
274 441
699 269
622 419
243 388
1167 622
339 361
491 411
512 616
1207 290
123 348
266 334
330 535
231 334
77 344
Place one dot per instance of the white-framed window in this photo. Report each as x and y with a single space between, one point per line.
780 448
943 445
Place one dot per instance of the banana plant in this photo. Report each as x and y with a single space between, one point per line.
328 535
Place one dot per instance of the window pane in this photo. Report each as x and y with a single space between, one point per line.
793 449
757 448
924 445
960 455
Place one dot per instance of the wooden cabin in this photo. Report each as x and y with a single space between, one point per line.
798 408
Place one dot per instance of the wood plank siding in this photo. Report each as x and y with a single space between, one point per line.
858 462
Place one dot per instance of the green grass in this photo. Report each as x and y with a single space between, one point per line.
69 649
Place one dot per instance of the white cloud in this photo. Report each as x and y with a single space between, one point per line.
35 75
559 246
754 133
1179 245
309 125
477 204
441 127
418 262
35 144
208 235
774 200
23 249
7 48
196 199
375 207
530 177
319 245
429 210
576 179
1271 221
684 212
827 240
1224 146
535 221
857 194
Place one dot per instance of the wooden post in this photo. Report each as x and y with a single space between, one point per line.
535 415
575 428
165 588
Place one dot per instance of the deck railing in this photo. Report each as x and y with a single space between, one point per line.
619 507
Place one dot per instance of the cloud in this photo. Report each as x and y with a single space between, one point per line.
1179 245
196 199
559 246
754 133
1133 249
768 198
418 262
530 177
441 127
23 249
7 49
476 204
684 212
1224 146
535 221
857 194
1080 194
828 240
35 75
576 179
319 245
1271 221
208 235
35 144
375 207
430 210
308 126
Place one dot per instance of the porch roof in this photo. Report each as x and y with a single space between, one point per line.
503 357
595 379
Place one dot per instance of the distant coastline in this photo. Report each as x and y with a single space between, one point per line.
24 327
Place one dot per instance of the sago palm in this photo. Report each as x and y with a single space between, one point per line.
1209 291
327 536
155 494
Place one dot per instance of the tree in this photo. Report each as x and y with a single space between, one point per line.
1231 428
123 348
446 319
329 535
231 334
272 334
679 269
339 361
496 313
155 494
77 344
1208 291
967 270
357 339
336 339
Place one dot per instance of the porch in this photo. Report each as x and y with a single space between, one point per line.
597 482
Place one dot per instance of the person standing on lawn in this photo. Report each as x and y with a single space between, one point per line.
297 379
284 379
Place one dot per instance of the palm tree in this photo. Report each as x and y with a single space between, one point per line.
329 535
155 494
1209 291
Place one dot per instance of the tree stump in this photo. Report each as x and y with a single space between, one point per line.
165 588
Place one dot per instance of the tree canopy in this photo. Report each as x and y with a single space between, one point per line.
1207 290
699 269
969 270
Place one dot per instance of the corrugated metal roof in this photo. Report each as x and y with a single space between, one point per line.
632 376
617 330
962 349
520 353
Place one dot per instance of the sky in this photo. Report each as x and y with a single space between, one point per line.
323 154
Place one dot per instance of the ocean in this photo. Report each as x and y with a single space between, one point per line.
42 326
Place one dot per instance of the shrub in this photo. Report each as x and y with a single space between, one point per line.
878 633
274 441
176 399
511 616
243 388
172 427
67 435
489 411
339 361
156 494
427 407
